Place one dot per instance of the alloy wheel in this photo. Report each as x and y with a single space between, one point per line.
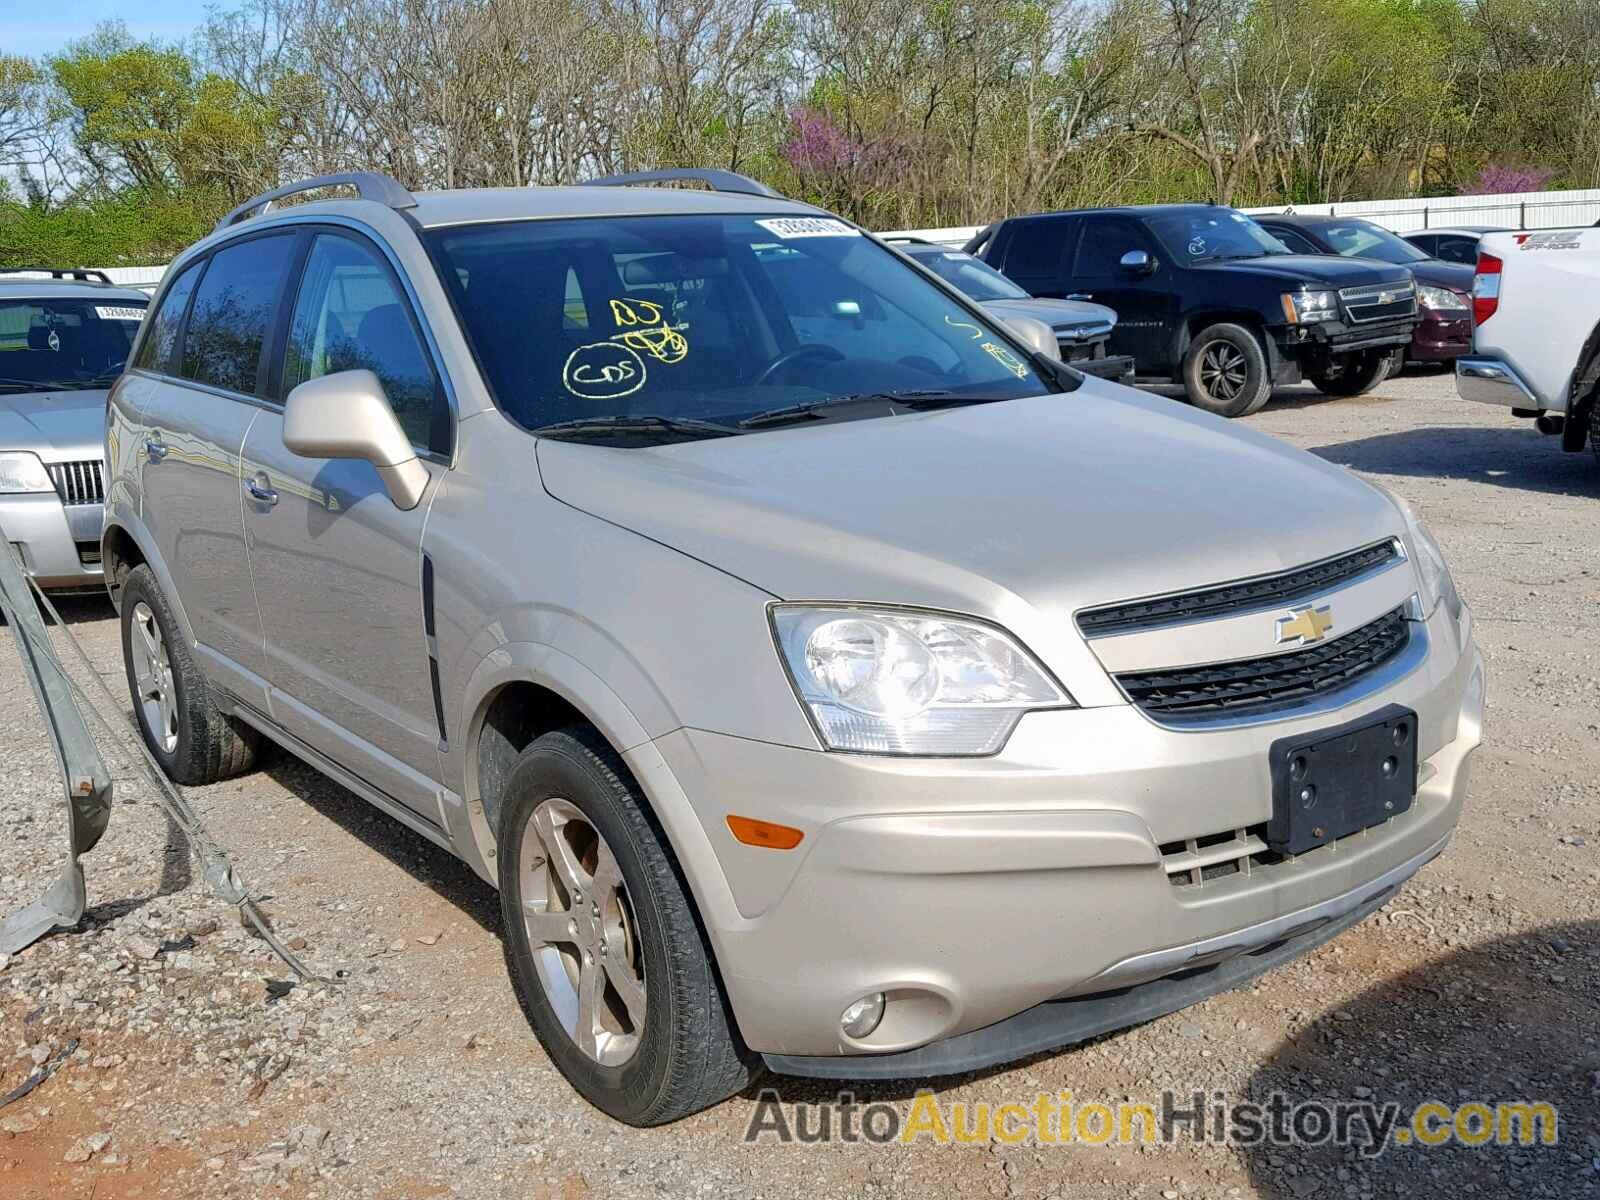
1223 370
582 932
152 679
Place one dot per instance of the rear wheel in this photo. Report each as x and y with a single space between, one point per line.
1594 426
1352 374
192 739
1225 371
602 941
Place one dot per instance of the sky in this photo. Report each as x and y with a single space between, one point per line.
35 27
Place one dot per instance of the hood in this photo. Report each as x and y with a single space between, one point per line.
1060 501
56 425
1060 315
1327 269
1438 273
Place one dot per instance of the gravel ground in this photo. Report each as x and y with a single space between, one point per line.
195 1074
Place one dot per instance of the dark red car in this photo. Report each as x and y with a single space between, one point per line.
1444 289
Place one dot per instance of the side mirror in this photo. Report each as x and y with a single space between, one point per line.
347 415
1035 334
1137 262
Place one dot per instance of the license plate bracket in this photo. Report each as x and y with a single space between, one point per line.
1334 782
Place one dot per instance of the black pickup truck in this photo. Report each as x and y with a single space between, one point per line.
1207 298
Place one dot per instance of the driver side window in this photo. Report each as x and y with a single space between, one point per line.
351 315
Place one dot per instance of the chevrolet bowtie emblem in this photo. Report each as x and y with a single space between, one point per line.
1305 625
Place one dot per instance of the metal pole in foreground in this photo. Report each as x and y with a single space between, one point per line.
83 771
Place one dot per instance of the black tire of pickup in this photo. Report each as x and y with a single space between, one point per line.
1225 371
1594 426
1357 376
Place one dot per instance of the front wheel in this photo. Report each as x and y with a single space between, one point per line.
1225 371
1351 374
602 941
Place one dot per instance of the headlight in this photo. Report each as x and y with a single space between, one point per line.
21 471
1432 574
1442 299
883 681
1305 307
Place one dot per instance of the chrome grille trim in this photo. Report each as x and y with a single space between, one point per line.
81 482
1240 596
1365 304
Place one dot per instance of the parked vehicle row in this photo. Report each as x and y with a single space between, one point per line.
763 615
1207 298
1536 344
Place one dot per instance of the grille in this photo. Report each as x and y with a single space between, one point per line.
1244 596
1193 862
79 482
1368 303
1253 684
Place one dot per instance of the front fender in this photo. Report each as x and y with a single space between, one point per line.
553 669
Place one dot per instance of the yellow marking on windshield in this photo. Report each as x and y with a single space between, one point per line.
976 332
1007 359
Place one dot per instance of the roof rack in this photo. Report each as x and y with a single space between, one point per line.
714 178
82 274
369 185
908 240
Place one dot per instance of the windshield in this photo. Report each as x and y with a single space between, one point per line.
970 275
53 344
1213 235
711 319
1363 239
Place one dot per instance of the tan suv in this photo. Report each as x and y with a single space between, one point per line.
827 676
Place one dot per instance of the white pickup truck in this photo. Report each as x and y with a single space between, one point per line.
1536 331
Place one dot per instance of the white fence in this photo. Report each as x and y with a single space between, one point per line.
1519 210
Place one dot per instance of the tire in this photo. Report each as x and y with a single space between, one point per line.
196 742
1594 427
639 938
1225 371
1358 374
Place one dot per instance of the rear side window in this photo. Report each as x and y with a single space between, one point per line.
1457 250
233 311
1037 248
156 353
350 315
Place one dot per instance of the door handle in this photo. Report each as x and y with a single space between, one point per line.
154 448
1080 296
261 490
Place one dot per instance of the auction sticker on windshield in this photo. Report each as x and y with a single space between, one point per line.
108 312
804 227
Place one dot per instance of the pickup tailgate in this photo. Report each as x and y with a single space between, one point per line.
1546 309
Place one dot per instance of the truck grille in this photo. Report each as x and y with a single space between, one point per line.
1254 684
1380 302
79 482
1242 596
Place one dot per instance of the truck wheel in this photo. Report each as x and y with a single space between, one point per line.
1352 374
1594 427
1225 371
608 957
192 739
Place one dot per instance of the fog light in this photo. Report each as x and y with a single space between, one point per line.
862 1017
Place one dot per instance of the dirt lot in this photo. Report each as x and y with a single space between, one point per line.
418 1076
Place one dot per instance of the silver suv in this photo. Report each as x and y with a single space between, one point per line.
63 341
824 674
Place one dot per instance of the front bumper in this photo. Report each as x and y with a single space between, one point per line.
974 891
1491 381
1339 337
1440 340
59 544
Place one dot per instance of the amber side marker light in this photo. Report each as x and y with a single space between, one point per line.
764 833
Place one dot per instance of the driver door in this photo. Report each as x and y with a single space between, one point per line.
1146 305
337 567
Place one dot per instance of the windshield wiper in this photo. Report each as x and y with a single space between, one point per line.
42 385
1227 257
916 399
628 423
